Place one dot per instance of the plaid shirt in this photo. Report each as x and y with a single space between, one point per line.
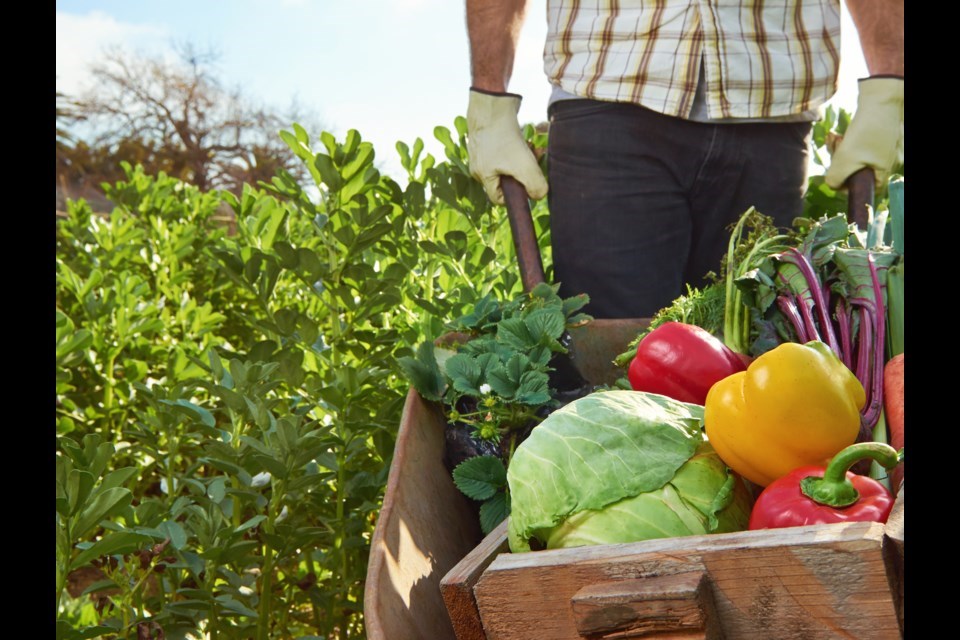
762 58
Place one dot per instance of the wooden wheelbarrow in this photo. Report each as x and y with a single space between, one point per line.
433 576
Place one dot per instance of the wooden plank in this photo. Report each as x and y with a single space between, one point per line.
680 605
457 586
424 528
822 581
894 535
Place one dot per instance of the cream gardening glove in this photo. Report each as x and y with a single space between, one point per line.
874 137
496 147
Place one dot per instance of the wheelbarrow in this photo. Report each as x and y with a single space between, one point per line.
432 575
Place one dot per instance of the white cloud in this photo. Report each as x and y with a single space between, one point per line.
81 39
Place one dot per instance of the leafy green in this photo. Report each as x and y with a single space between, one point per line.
604 468
701 307
484 478
480 477
503 371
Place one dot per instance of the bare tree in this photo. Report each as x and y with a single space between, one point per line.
177 117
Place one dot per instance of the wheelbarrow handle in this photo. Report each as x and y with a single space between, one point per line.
524 233
860 192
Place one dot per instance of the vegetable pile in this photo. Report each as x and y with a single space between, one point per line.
761 401
620 466
795 405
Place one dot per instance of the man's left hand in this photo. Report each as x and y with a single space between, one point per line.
874 137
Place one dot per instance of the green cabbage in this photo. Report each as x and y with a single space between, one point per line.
620 466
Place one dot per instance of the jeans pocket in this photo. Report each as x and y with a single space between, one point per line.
565 110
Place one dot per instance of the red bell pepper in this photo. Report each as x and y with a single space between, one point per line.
681 361
818 495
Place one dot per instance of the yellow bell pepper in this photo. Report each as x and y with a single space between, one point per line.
795 405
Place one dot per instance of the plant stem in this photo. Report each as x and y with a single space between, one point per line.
731 336
237 425
877 472
63 561
266 570
341 527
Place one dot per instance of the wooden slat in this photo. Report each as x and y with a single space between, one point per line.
823 581
680 605
457 586
894 534
424 528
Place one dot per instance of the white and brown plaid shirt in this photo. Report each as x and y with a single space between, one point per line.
762 58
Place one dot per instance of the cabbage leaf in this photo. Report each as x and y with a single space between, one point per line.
596 451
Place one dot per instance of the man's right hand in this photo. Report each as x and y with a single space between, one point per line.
496 147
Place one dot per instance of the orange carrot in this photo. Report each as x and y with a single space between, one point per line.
893 409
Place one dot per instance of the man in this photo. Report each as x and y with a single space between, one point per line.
668 119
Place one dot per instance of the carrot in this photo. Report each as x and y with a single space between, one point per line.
893 408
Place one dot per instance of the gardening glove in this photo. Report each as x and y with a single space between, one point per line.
496 147
874 137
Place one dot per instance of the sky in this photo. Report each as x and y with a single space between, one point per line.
391 69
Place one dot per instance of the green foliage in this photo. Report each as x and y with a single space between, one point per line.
227 402
497 381
484 478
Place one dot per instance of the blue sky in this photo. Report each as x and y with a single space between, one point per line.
391 69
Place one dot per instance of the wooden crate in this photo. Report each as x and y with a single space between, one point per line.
432 576
821 581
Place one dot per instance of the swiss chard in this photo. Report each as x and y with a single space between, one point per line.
830 286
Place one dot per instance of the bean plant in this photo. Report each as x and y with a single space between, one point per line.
228 397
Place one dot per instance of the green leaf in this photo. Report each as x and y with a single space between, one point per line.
65 631
79 485
534 388
115 542
896 214
360 183
498 377
494 511
289 258
193 411
514 333
369 236
81 339
328 172
99 585
310 263
173 530
270 225
456 242
217 489
480 477
103 505
286 319
423 372
117 477
545 325
250 524
465 373
275 467
230 604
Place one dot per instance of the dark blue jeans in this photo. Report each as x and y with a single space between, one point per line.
642 203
